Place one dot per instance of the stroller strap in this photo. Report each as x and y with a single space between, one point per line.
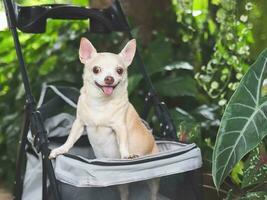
63 96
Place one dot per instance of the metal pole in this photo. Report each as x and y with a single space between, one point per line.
30 105
18 187
12 26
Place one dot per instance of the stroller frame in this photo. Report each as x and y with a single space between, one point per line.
33 20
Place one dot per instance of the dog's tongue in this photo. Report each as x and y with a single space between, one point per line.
108 90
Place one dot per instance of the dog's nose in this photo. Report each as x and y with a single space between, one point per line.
109 80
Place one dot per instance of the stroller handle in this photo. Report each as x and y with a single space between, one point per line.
32 19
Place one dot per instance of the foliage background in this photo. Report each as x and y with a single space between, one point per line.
196 51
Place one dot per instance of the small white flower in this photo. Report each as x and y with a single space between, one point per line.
222 102
249 6
244 18
196 13
214 85
239 76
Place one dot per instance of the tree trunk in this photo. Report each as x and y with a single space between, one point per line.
143 14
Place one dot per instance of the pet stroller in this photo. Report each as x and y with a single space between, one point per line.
78 174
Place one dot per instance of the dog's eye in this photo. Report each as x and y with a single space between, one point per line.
119 70
96 69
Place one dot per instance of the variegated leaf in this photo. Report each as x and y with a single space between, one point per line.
244 123
255 196
255 171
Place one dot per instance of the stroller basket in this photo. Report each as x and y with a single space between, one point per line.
173 158
80 168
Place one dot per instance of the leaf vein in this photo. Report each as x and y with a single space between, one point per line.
259 83
243 105
263 114
255 74
227 133
251 95
223 151
245 142
256 128
233 118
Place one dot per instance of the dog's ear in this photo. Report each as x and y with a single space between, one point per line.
128 52
87 50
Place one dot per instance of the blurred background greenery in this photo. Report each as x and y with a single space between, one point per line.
196 52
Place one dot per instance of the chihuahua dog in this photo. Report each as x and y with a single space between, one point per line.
114 128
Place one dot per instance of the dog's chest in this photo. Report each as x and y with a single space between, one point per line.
95 116
103 141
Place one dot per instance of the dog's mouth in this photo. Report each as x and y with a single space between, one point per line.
107 89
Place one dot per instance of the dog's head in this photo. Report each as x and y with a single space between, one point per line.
106 73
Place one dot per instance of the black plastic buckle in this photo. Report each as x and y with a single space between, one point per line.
38 131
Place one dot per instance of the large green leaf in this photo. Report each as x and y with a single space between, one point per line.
243 124
133 82
157 55
176 86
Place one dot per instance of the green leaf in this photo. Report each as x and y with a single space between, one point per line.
243 124
176 86
230 195
48 65
179 115
212 26
158 55
133 82
200 5
255 196
255 171
81 2
188 128
199 11
215 2
179 65
237 173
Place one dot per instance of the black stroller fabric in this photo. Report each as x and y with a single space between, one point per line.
81 176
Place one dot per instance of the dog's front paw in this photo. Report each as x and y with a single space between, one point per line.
131 156
58 151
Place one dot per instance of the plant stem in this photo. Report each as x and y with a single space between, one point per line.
213 188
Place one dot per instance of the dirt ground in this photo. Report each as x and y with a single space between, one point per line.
4 194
